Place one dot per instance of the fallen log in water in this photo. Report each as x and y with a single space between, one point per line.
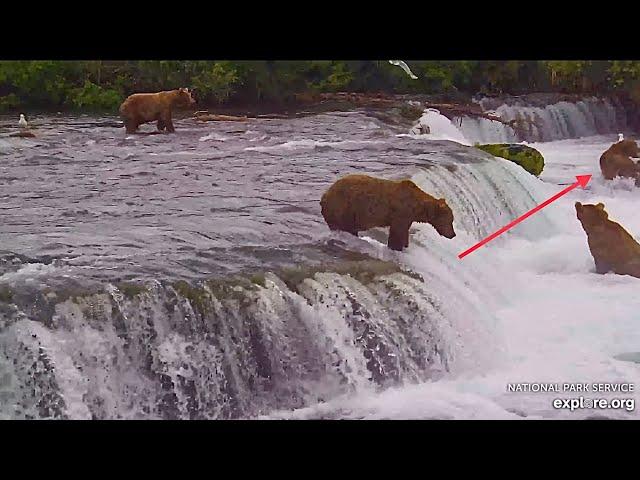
452 110
207 117
520 125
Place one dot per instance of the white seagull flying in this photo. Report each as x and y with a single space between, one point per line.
404 66
23 121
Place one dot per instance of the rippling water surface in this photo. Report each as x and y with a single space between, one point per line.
209 199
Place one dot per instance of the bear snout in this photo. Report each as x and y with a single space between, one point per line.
446 231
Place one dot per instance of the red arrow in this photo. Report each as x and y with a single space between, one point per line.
582 181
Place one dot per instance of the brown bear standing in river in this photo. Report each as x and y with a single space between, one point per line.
616 161
612 248
150 107
360 202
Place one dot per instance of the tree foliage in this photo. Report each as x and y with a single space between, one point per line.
102 85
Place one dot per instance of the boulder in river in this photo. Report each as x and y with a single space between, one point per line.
527 157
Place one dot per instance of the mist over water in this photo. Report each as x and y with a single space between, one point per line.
192 275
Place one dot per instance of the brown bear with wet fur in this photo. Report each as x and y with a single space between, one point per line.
611 246
616 161
154 107
361 202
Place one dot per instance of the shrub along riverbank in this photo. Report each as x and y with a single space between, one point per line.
102 85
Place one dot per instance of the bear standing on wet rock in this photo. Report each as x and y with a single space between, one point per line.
151 107
360 202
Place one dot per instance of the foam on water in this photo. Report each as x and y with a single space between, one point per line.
213 136
433 125
310 145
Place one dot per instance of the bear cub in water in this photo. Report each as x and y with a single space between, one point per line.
611 246
361 202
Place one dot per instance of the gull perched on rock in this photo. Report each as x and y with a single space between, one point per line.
23 121
404 66
620 137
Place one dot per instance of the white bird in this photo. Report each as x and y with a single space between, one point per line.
404 66
23 121
620 137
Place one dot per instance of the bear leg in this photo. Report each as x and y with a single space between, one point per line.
161 125
130 125
350 226
602 267
166 119
398 235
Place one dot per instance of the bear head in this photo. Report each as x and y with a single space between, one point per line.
443 219
184 98
431 210
591 215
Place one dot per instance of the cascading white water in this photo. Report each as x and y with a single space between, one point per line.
435 126
539 298
556 121
202 352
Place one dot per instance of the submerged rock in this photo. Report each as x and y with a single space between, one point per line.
527 157
23 134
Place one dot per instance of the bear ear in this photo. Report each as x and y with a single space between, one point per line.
600 206
578 205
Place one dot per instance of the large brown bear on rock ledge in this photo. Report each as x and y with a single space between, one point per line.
361 202
617 162
150 107
611 246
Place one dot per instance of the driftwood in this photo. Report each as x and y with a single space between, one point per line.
207 117
273 115
451 110
210 117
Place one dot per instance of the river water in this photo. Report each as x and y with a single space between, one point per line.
192 275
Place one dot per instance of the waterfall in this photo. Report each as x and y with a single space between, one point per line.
243 347
531 122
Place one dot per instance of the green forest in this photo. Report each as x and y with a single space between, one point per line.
102 85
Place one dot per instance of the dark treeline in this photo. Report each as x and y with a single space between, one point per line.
102 85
